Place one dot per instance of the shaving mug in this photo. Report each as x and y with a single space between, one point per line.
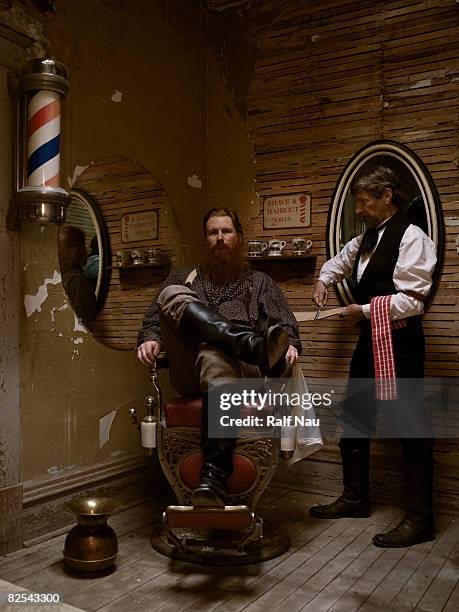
153 255
255 248
122 258
301 246
137 257
275 247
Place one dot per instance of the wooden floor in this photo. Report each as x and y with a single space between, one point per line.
331 565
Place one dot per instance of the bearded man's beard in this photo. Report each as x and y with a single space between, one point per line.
224 264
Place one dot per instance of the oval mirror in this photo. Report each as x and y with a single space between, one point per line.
421 202
128 209
83 255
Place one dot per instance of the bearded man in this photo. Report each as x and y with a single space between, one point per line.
219 322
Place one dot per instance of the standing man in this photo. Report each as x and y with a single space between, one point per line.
392 265
219 322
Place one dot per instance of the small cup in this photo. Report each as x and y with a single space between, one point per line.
122 258
301 246
256 248
275 247
137 257
153 255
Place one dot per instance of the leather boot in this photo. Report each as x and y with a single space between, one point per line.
354 501
217 467
417 524
211 490
267 352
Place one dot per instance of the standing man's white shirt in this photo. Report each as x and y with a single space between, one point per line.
413 270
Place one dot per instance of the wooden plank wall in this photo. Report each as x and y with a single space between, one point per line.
119 187
329 78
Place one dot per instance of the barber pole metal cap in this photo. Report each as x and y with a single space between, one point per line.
42 205
47 74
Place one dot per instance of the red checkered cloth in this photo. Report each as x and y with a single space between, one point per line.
383 350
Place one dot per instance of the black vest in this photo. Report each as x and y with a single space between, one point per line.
377 278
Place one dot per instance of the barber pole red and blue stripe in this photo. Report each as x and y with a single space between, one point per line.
43 133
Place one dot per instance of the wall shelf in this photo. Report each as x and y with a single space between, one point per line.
142 275
285 267
138 266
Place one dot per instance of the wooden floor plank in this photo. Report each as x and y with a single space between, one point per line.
149 595
452 605
322 590
381 580
405 570
413 590
273 587
330 594
322 569
440 589
358 593
331 565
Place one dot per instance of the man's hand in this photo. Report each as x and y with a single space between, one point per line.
353 313
320 295
148 351
291 355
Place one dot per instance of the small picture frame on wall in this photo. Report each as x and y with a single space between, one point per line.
139 226
287 211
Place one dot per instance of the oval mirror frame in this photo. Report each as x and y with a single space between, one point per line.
103 239
425 185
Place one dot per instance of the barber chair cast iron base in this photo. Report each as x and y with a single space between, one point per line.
229 535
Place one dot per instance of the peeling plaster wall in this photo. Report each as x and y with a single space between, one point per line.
137 74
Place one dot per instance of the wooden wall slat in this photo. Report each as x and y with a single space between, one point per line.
328 78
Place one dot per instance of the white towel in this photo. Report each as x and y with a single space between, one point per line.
308 439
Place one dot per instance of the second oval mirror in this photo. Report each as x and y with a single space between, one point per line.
421 201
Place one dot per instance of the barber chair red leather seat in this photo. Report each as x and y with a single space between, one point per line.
183 412
186 412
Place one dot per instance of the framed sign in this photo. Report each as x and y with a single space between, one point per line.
293 210
139 226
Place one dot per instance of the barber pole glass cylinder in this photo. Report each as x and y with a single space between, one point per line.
43 133
44 84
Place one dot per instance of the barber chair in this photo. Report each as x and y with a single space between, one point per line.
230 535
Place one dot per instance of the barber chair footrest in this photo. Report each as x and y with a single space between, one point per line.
227 517
227 528
231 535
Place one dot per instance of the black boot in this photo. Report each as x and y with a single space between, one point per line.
417 524
217 467
268 351
354 501
211 490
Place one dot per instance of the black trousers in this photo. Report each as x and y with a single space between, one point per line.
404 419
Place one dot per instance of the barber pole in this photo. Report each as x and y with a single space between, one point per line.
41 200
